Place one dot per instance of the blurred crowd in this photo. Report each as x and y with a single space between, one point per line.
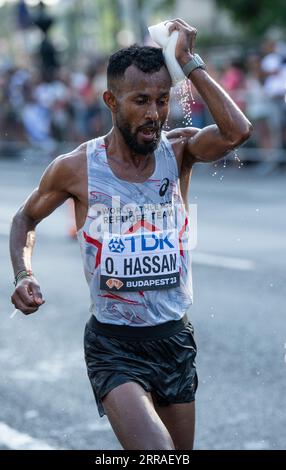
67 107
257 83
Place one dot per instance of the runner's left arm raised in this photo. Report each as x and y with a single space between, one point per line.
231 126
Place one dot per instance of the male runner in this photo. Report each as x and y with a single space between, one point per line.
139 345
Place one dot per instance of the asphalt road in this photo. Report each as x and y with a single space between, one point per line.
238 313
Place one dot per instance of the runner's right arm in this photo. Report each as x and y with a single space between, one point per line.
50 194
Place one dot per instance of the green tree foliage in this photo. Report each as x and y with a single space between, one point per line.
256 16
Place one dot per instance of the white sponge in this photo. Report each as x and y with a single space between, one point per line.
160 34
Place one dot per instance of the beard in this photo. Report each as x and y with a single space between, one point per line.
130 138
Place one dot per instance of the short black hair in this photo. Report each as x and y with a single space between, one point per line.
145 58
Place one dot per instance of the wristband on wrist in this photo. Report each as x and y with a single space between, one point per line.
196 62
21 275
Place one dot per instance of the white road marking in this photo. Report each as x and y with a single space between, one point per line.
256 445
31 414
100 426
223 261
16 440
50 370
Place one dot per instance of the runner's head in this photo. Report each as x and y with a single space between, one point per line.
138 95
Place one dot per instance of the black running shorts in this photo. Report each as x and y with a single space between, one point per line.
161 359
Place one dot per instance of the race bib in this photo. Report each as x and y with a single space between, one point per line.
140 261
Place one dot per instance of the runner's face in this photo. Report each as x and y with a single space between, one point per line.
143 106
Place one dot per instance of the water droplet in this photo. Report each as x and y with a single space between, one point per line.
237 159
166 125
184 95
257 210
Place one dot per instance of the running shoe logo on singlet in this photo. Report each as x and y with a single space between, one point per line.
164 186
